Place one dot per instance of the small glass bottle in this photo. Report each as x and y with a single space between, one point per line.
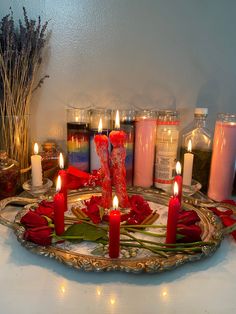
223 157
201 139
78 138
9 175
95 115
145 140
127 118
50 159
166 149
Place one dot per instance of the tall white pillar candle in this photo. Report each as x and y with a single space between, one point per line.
36 165
188 165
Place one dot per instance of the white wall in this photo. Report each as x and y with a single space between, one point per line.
144 53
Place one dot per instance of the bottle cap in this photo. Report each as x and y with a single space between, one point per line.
203 111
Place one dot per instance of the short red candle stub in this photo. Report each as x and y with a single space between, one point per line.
114 234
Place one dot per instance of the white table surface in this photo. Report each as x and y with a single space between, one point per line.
33 284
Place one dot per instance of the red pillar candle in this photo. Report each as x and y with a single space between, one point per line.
63 175
118 169
173 211
114 230
59 209
101 143
178 178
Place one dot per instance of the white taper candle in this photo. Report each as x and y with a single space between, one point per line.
36 165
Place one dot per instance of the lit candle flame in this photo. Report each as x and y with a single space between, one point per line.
58 186
176 189
189 146
117 121
115 202
178 168
100 126
36 149
61 161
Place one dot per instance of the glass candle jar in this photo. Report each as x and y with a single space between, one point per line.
95 115
223 157
127 119
78 138
145 140
50 160
166 149
9 175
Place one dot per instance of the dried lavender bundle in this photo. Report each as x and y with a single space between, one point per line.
21 48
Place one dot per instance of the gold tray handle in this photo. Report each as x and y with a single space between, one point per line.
13 200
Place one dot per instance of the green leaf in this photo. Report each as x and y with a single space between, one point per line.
88 232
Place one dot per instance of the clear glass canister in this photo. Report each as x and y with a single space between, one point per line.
9 175
78 138
50 159
127 120
95 116
145 140
223 157
166 149
201 139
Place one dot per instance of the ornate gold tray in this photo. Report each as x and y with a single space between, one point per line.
210 225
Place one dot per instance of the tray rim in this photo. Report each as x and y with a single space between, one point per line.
151 264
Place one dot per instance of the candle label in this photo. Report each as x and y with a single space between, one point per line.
78 145
94 158
128 128
166 154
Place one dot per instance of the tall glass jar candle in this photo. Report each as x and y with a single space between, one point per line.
127 118
95 115
145 140
223 157
78 138
166 149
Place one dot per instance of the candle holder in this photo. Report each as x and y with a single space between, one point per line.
37 191
189 190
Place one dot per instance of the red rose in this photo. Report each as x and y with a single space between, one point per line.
46 211
32 220
40 235
94 200
93 213
140 209
190 233
189 217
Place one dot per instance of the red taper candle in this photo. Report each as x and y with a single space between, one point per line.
173 212
178 178
101 143
59 209
62 173
114 230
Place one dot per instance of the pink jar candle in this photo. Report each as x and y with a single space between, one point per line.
145 140
223 157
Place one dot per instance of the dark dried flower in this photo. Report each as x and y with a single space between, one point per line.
21 48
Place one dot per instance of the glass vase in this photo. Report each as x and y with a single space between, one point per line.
14 139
